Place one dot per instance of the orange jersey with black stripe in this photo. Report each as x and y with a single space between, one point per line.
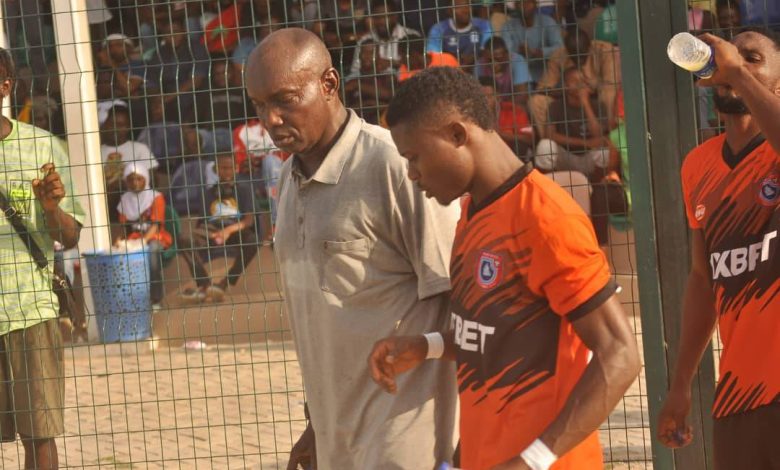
525 264
736 207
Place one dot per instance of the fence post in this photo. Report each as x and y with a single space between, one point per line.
79 101
661 129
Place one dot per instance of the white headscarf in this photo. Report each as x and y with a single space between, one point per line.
133 204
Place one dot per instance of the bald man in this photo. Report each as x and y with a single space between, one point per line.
362 255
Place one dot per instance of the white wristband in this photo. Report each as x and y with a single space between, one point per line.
435 345
538 456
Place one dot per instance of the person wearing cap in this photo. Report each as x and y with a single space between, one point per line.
121 73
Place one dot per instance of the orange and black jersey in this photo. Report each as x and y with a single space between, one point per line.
733 200
525 264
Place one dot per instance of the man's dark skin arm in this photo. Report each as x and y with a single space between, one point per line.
49 191
615 365
563 139
698 324
613 368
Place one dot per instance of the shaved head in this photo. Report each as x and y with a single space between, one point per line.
291 50
292 83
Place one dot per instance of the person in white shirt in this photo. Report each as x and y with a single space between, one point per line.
385 31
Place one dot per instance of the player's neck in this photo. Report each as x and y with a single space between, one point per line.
740 130
497 165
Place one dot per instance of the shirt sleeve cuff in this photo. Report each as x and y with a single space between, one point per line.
593 302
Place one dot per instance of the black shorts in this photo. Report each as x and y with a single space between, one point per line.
749 440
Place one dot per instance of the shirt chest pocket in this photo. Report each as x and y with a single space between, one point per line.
345 266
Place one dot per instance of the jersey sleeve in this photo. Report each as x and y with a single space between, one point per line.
568 268
435 41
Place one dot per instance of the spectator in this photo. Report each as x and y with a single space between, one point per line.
385 31
729 18
370 92
700 20
361 252
117 149
228 221
512 122
256 154
419 15
142 215
461 35
508 70
576 135
32 371
599 62
179 69
534 36
222 107
121 73
415 59
162 137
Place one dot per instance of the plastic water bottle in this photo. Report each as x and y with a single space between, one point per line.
691 54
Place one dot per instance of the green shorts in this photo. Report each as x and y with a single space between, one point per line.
32 382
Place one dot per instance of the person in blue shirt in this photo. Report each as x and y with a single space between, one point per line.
534 36
461 35
509 71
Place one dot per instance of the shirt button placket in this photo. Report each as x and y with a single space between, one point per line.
299 213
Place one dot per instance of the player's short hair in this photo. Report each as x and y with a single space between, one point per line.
435 93
7 66
764 31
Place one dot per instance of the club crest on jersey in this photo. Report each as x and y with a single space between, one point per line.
700 211
769 190
489 269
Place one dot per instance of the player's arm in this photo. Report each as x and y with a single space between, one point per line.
698 323
763 103
614 366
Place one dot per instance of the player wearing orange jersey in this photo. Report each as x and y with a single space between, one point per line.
731 188
543 348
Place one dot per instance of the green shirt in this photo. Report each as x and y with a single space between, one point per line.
26 298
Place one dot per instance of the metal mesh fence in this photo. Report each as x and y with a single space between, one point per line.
158 86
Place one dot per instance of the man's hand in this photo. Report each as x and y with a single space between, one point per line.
673 429
516 463
395 355
304 452
597 142
49 191
728 60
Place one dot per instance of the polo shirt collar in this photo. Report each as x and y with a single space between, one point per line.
332 166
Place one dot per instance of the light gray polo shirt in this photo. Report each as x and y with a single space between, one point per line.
364 255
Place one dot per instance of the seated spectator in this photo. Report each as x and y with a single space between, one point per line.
512 122
599 62
534 36
385 30
142 215
222 107
179 69
508 70
121 71
460 35
117 149
419 15
370 92
611 197
414 59
256 154
228 221
729 18
163 137
576 135
760 13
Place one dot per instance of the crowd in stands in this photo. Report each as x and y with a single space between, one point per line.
172 105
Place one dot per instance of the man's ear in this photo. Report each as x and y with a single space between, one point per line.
5 87
330 83
457 133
